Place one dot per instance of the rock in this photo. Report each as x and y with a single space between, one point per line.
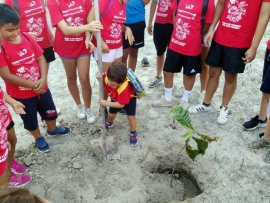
115 157
76 165
40 160
145 62
176 175
70 176
28 160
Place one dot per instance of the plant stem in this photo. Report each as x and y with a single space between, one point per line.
175 163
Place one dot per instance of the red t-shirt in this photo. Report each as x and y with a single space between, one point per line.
33 19
268 44
3 132
186 36
74 13
21 60
122 98
238 23
112 23
164 13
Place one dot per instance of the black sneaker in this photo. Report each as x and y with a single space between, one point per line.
254 123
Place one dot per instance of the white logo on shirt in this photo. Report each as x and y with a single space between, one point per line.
71 4
182 29
189 6
236 9
74 22
164 5
35 25
32 3
23 52
192 71
116 30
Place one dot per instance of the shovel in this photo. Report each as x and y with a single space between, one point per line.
106 144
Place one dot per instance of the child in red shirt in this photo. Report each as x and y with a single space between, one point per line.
69 19
23 68
122 96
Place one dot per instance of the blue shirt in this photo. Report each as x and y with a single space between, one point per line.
135 11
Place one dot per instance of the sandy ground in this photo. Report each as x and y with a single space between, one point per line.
228 172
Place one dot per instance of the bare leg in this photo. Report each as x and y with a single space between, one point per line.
168 79
13 141
229 88
189 82
51 125
36 133
160 64
70 68
132 123
132 58
111 117
267 128
204 75
263 107
125 56
212 84
83 65
4 179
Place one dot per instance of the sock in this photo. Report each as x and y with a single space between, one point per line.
134 133
88 110
262 119
206 104
80 106
186 95
168 93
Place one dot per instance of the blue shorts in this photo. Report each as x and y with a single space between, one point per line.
43 105
130 108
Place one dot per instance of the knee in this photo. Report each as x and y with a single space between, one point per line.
230 78
72 79
213 74
85 82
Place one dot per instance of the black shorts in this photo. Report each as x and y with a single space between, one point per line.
49 54
229 58
130 108
138 33
265 87
175 61
43 104
11 125
162 36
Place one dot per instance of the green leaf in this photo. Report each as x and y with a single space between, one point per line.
182 116
187 135
190 152
202 145
207 138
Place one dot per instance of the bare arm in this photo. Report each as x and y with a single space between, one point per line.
15 80
110 104
146 1
18 107
153 7
260 29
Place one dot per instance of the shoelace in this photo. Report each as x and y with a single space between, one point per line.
223 112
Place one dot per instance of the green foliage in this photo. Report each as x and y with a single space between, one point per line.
202 141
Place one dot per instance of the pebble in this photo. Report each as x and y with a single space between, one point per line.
40 161
76 165
70 176
28 160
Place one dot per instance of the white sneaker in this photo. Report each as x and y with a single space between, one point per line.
90 117
198 108
184 104
81 113
201 97
163 103
223 115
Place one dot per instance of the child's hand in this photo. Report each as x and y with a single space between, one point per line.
94 26
129 36
39 86
18 107
102 102
89 45
98 75
249 55
105 48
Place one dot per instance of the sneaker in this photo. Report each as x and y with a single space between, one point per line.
133 139
81 113
184 104
267 157
201 97
254 123
199 108
122 111
223 115
42 145
108 124
90 117
59 131
19 181
17 167
260 143
155 82
163 103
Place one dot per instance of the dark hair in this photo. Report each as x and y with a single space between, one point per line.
8 15
18 195
117 72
